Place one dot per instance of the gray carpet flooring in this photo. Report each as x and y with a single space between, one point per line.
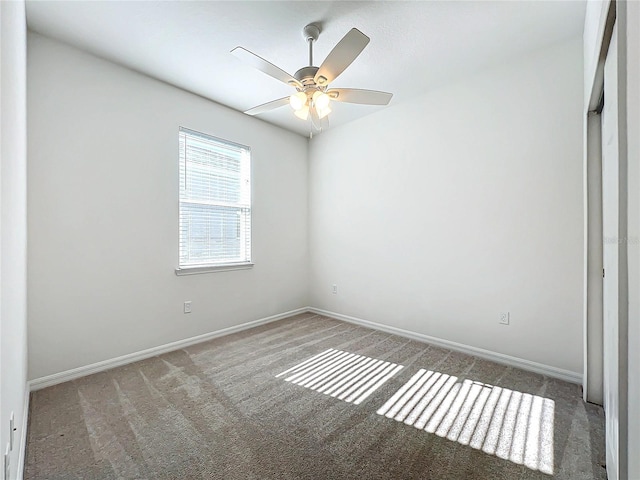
310 397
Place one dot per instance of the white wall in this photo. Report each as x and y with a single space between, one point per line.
13 224
103 212
437 216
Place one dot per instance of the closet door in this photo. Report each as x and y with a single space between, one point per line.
611 240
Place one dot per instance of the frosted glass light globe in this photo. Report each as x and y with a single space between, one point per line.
297 100
321 100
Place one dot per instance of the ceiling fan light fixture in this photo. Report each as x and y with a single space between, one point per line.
321 100
303 112
313 98
323 111
298 100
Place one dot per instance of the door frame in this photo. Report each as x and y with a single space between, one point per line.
593 315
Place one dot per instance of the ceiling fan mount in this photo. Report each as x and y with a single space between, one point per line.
313 95
311 32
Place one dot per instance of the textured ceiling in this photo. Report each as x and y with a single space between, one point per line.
415 45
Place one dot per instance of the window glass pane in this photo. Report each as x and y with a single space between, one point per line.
215 201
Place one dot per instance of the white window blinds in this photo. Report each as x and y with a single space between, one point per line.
215 201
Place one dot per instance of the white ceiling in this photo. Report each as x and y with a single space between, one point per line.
415 45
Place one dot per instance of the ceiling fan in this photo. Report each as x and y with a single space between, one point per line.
313 96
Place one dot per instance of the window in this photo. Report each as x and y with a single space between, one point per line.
215 203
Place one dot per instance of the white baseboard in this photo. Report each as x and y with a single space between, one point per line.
22 453
74 373
566 375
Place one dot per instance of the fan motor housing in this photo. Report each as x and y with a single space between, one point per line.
306 75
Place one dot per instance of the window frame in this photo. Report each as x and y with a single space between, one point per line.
229 265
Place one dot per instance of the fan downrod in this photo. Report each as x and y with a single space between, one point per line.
311 33
306 74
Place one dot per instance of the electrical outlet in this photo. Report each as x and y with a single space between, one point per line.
12 430
334 289
187 307
504 318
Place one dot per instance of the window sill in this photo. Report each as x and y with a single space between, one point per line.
213 268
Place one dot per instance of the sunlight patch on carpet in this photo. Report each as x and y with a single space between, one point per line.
346 376
512 425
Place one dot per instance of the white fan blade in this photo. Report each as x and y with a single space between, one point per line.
354 95
342 55
265 107
264 66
